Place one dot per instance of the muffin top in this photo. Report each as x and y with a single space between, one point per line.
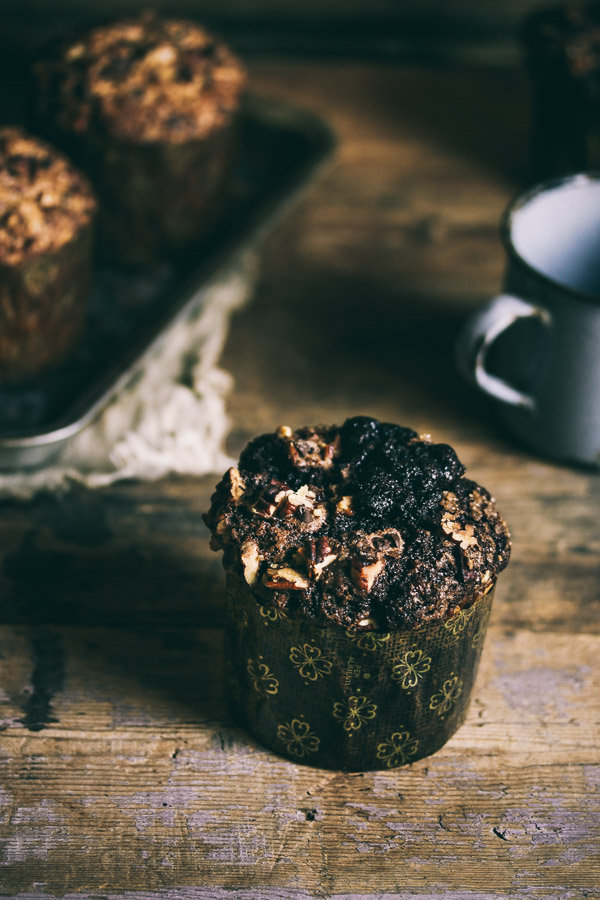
142 80
44 200
366 525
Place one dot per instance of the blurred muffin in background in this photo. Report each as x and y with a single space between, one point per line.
148 107
46 216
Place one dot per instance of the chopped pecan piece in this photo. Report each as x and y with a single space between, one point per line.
450 503
465 537
284 579
290 500
317 555
220 535
332 450
274 489
302 504
367 624
322 564
287 508
306 555
312 452
269 499
250 557
364 574
263 508
237 485
319 514
307 495
344 506
389 542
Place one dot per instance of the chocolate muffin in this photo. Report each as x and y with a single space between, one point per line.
46 215
148 107
359 559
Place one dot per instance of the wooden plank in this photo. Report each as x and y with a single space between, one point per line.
143 775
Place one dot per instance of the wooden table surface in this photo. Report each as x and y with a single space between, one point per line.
121 771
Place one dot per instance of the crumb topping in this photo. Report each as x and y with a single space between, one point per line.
143 80
44 201
366 525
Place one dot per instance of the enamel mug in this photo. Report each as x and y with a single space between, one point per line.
535 348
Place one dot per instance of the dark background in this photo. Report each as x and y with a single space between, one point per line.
407 29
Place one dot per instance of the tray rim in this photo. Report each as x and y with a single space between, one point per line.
186 297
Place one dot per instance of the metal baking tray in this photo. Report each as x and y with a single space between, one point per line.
281 150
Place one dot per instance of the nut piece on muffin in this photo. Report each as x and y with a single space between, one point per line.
149 108
46 215
367 526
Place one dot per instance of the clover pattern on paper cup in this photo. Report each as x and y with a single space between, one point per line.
310 662
457 623
410 667
397 749
271 613
354 711
370 640
298 738
444 700
263 680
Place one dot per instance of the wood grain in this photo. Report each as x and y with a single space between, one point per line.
142 767
121 772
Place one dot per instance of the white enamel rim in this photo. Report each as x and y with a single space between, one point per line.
506 229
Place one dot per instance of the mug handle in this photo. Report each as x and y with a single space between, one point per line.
480 332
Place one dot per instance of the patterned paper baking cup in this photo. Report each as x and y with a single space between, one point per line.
332 698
